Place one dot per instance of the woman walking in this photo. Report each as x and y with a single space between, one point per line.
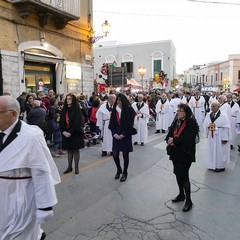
121 124
71 125
181 148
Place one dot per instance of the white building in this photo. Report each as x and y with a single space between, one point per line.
154 56
224 75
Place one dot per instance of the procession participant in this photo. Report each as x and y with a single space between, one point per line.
217 131
121 125
27 176
234 113
224 106
141 120
174 104
182 97
162 112
103 118
188 97
181 140
197 105
214 97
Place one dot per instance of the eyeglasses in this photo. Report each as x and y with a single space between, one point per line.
10 110
178 111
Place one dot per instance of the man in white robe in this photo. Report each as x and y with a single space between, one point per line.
27 176
234 114
197 105
103 117
213 97
175 101
162 114
140 121
217 130
224 106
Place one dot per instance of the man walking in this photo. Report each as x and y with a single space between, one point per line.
27 176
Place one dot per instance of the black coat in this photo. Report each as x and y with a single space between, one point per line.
75 128
185 145
124 128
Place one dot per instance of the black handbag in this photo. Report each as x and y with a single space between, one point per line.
134 131
169 149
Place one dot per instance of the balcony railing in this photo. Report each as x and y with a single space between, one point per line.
60 11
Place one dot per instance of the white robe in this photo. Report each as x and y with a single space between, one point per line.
212 100
174 105
234 115
162 112
198 109
103 118
217 154
140 122
227 110
26 155
171 115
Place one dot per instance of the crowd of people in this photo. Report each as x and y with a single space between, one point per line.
121 121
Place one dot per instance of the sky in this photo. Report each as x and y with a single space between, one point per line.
201 32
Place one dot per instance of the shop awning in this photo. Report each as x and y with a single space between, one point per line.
133 83
237 90
42 58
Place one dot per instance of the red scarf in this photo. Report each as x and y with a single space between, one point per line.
118 117
67 120
177 132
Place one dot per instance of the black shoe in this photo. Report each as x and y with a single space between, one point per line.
178 198
135 143
187 207
163 131
104 153
157 131
77 171
238 148
117 176
111 153
219 170
123 177
231 146
142 144
68 170
43 236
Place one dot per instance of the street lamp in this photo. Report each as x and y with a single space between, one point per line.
142 71
105 28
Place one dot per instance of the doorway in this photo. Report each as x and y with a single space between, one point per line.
39 76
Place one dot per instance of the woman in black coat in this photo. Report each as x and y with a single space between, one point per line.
121 124
71 125
181 141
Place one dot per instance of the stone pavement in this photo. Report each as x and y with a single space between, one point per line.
141 209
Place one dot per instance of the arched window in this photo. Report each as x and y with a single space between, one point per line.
157 62
127 61
110 59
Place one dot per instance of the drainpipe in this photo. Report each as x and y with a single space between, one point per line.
1 75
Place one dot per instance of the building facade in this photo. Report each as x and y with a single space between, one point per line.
223 75
154 56
45 44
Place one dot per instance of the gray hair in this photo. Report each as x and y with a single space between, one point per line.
12 103
36 103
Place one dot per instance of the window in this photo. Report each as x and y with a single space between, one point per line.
238 74
129 66
157 66
221 76
216 77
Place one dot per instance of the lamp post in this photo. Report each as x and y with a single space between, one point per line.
142 71
105 28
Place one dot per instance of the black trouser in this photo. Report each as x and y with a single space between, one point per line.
117 161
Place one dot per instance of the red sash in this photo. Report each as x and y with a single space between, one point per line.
67 120
118 117
177 132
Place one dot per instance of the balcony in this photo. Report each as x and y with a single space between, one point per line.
60 11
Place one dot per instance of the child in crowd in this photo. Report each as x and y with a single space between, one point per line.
57 136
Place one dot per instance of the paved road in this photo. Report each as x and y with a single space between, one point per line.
94 206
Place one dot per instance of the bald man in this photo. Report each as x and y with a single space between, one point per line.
217 130
27 176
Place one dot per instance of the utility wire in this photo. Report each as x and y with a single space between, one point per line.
213 2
